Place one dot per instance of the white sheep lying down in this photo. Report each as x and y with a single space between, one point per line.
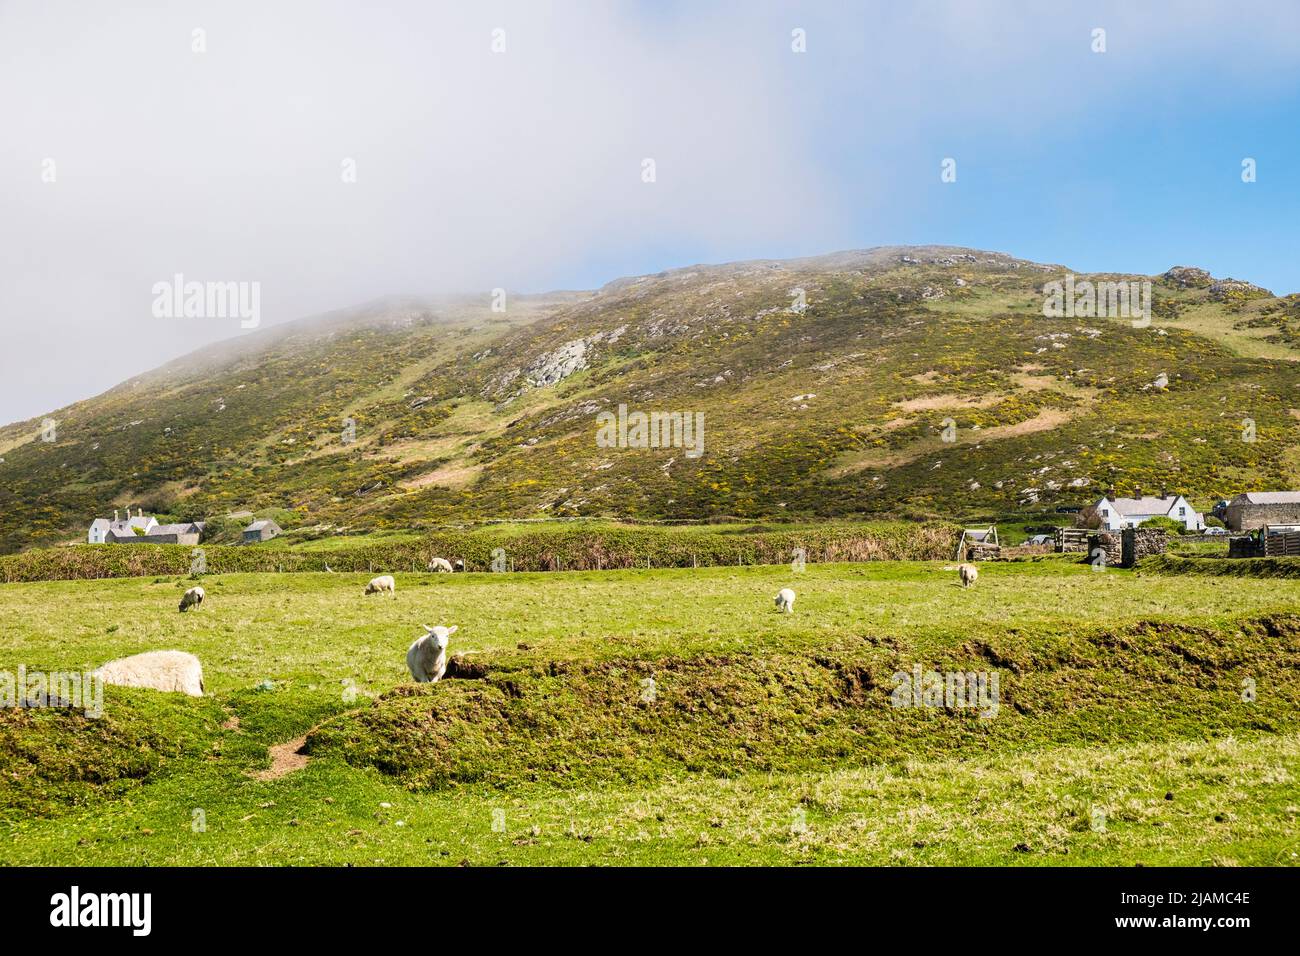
174 671
785 600
192 598
441 565
384 582
427 657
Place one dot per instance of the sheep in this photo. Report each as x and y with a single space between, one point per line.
427 657
174 671
460 565
785 600
192 598
968 574
384 582
441 565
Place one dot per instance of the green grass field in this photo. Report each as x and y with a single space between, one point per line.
667 717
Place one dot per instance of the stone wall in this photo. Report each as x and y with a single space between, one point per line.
1111 545
1245 547
1123 549
1139 543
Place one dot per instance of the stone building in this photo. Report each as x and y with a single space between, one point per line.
186 532
1254 509
263 530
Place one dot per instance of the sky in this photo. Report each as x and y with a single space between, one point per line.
335 152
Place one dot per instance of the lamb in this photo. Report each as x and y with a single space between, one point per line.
441 565
785 600
968 574
460 565
173 671
427 657
192 598
384 582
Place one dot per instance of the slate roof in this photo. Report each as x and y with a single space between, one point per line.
1272 497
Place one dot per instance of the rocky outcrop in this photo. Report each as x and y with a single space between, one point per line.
1227 290
556 366
1188 277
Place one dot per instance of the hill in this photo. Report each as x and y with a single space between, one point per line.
904 381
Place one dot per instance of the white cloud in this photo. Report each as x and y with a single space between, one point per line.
474 169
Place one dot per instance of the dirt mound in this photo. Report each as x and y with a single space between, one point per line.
285 759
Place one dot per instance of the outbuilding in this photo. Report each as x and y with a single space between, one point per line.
263 530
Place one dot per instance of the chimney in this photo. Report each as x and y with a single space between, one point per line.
1164 493
1137 491
139 512
115 516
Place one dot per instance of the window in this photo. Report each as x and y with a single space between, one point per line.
1182 512
1105 512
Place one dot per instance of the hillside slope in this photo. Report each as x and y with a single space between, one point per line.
838 408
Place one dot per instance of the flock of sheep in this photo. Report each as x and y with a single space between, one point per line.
426 658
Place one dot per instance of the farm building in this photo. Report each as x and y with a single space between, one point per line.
185 532
1116 514
139 529
104 530
263 530
1255 509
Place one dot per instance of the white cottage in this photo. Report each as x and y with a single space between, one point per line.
1117 513
101 528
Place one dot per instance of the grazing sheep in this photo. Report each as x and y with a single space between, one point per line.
785 600
173 671
192 598
968 573
441 565
384 582
427 657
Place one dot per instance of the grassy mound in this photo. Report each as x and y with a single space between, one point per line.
1225 567
55 758
637 720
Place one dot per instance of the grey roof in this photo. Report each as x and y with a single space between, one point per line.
1272 497
259 525
185 527
1146 505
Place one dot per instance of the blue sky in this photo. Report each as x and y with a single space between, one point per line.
1125 160
520 168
